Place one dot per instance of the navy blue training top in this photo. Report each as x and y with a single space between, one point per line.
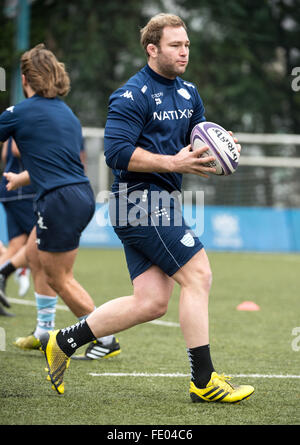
49 138
156 114
14 164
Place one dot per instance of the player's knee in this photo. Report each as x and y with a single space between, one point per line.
158 308
155 310
153 306
54 282
207 277
201 278
33 263
204 277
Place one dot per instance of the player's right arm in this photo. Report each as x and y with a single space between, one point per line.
127 116
4 152
185 161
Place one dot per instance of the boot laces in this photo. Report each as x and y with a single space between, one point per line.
223 381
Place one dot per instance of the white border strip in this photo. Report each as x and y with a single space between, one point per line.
145 374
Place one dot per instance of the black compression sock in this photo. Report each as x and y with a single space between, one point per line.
7 269
73 337
201 365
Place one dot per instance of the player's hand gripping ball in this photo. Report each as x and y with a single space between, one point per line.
221 146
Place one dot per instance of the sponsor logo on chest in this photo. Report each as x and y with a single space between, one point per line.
171 115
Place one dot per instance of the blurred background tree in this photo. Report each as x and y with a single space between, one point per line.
242 55
245 53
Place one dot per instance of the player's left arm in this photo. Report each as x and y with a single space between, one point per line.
199 116
16 180
15 150
198 112
8 121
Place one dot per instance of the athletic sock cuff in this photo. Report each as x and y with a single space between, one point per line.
73 337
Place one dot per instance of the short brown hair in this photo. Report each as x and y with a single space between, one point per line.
152 32
44 73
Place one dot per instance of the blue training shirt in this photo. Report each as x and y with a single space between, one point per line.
49 138
156 114
14 164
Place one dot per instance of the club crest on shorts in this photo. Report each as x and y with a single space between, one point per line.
188 240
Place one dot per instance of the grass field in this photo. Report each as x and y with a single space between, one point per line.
260 345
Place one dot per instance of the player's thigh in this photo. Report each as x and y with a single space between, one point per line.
58 264
32 254
15 244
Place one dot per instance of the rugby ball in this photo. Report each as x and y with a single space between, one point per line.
221 146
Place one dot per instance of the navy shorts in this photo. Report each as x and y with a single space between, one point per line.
150 224
62 215
20 217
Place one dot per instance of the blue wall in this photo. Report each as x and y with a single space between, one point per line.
254 229
3 231
251 229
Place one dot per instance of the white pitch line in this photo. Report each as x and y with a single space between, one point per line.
170 324
135 374
33 303
145 374
268 376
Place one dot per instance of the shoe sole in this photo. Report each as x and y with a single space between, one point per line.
3 299
197 399
3 313
84 357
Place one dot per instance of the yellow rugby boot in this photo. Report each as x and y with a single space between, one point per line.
219 389
28 343
57 361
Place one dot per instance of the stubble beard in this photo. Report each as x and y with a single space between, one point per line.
170 70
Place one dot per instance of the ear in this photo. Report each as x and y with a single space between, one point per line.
152 50
24 81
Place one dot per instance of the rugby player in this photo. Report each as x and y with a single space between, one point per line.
147 133
49 137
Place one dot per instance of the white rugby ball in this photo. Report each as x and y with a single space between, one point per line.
221 146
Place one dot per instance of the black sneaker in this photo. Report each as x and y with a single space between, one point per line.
3 297
96 350
4 313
